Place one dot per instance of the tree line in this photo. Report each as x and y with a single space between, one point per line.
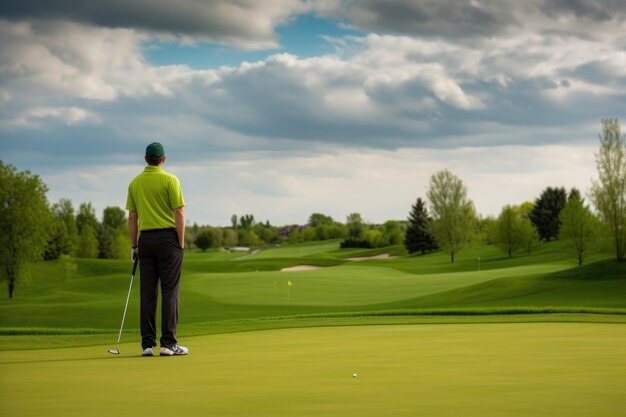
246 232
32 229
453 223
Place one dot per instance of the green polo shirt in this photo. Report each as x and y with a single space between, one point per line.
154 194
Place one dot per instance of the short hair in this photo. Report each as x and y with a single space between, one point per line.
154 160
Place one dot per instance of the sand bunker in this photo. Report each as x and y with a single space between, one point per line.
365 258
301 268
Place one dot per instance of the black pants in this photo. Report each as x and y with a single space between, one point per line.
160 259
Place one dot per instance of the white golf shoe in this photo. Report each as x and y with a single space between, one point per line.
174 351
147 352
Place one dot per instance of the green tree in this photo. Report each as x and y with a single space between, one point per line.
64 239
87 243
64 211
318 219
322 231
24 221
356 226
266 232
509 232
204 240
529 234
418 237
608 193
114 217
393 232
58 241
246 221
249 238
121 244
106 243
579 227
454 216
86 215
337 231
375 238
229 238
545 213
308 234
294 235
113 234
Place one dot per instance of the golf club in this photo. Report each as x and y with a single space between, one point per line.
132 277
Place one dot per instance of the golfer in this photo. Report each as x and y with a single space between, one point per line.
156 223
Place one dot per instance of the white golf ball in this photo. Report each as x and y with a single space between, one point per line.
354 375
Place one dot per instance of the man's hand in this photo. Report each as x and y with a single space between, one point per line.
179 216
134 253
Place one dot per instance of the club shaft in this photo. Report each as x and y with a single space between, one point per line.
130 287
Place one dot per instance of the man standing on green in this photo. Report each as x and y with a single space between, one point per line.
156 222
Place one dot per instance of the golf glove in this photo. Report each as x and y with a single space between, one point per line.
134 254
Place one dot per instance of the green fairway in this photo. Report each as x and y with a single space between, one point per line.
486 336
524 369
346 285
220 286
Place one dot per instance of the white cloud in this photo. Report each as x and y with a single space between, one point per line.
381 90
358 130
463 20
381 185
248 24
66 58
67 115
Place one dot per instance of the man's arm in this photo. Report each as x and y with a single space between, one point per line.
179 216
133 227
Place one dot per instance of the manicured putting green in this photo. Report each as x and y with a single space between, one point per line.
346 285
525 369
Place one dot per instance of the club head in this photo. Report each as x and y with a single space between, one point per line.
114 351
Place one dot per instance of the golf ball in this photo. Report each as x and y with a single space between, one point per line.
354 375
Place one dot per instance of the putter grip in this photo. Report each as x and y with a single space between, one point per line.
135 266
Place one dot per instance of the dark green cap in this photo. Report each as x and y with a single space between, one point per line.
155 150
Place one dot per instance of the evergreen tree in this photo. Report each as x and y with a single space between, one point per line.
418 237
58 242
106 242
545 213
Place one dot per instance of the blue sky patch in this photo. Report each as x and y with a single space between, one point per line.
303 37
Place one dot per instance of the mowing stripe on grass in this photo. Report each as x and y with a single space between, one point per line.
529 369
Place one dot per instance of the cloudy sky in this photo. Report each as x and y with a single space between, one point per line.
282 108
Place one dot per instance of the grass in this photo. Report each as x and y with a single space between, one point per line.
219 286
533 335
488 369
